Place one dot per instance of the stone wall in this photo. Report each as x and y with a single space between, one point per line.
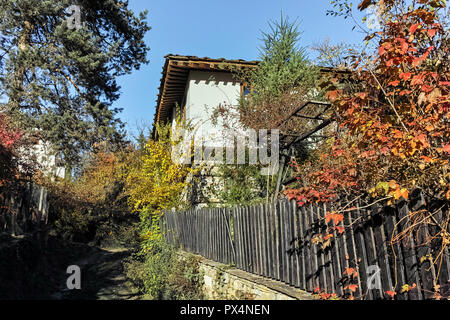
222 282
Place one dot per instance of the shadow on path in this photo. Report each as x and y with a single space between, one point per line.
102 278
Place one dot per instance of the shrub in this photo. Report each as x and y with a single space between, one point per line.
164 275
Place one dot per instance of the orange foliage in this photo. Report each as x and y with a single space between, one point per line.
394 126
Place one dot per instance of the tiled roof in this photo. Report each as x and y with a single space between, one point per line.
175 74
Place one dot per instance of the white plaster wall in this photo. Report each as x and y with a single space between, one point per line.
43 154
205 92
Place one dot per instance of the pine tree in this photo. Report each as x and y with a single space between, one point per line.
284 64
59 78
283 80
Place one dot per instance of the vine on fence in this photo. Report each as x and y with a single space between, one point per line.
393 132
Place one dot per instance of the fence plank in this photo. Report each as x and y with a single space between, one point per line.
208 233
371 250
183 230
211 234
266 233
319 251
169 228
396 257
244 233
284 240
242 238
265 230
335 257
219 235
237 237
269 240
427 271
292 246
201 234
188 230
443 263
278 249
382 249
227 236
254 212
232 221
253 245
247 241
205 242
221 226
261 239
309 263
288 242
361 249
174 230
353 255
412 273
302 248
287 228
195 230
189 223
314 250
274 244
297 258
223 242
256 217
254 220
328 253
341 241
215 234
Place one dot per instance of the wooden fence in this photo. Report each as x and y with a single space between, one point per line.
278 241
24 209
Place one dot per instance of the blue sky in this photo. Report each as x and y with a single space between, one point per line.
217 29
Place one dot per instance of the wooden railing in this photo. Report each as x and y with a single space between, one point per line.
23 209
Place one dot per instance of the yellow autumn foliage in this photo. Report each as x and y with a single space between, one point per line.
156 183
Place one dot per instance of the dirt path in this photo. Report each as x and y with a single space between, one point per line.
102 278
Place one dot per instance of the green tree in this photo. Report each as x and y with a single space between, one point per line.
282 81
284 64
60 80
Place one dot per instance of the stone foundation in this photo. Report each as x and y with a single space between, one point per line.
223 282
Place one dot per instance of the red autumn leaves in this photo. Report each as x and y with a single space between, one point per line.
8 135
393 126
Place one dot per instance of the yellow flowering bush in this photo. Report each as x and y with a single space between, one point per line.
155 183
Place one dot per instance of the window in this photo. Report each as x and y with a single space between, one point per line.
245 90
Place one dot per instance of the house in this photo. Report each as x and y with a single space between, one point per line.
42 156
198 86
195 88
48 162
24 203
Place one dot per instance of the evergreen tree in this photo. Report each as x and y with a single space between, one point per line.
284 64
58 77
283 80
